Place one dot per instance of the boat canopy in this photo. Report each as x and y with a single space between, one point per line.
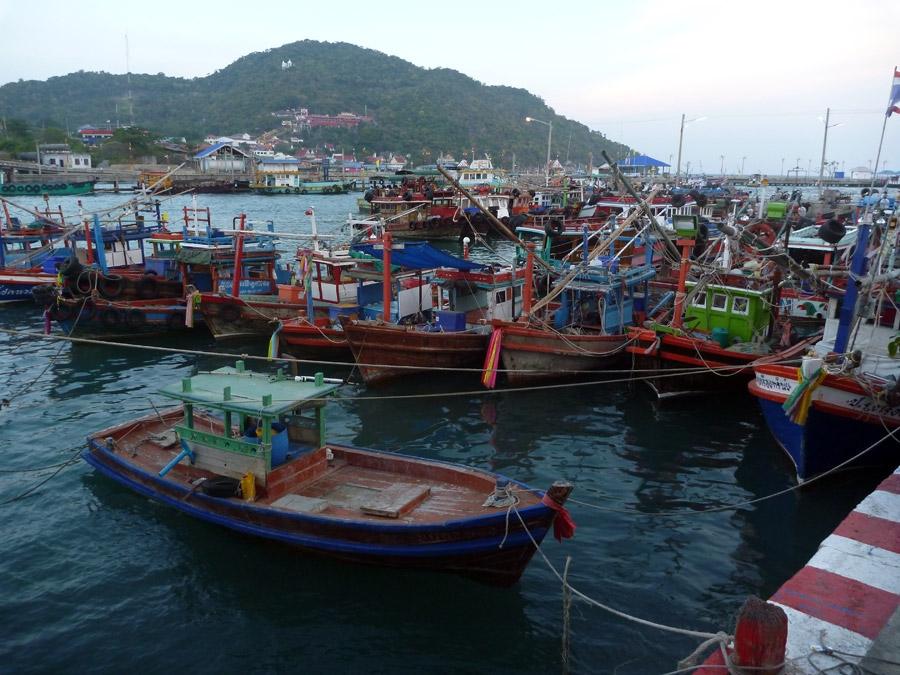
419 255
240 391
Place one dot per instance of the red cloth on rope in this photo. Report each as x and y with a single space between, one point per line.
563 525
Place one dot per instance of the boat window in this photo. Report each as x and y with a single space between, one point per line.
700 299
501 296
719 301
740 305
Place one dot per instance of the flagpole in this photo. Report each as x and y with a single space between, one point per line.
878 154
881 140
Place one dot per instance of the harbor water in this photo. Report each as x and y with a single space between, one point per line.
95 578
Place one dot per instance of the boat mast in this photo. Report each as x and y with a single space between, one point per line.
238 257
857 270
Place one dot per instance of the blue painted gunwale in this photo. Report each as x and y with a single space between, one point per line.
467 547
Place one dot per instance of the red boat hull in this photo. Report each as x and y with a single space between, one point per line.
537 355
410 350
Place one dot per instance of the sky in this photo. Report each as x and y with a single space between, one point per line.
756 78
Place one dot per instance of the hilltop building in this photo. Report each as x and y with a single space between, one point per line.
91 135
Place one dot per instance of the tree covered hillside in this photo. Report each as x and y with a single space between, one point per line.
422 112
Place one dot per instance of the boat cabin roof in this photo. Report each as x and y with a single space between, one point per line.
808 238
236 390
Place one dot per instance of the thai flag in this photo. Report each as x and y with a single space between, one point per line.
895 94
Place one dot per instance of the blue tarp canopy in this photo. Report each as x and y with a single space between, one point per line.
642 160
419 256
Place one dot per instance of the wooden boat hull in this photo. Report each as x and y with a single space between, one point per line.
843 421
661 352
304 340
410 350
16 285
532 355
50 187
102 318
490 545
230 317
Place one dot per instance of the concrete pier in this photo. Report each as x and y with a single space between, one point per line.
844 605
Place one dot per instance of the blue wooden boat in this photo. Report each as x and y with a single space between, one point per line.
841 408
247 451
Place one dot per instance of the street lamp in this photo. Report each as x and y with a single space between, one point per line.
549 136
825 140
680 140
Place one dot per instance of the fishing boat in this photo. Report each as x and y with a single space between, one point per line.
27 257
248 451
50 187
406 290
568 346
318 288
469 296
844 398
579 327
323 187
721 324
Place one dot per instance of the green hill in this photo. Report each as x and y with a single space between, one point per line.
419 111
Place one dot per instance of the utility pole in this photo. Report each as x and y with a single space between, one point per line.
680 139
824 143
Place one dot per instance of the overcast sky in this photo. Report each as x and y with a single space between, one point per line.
760 73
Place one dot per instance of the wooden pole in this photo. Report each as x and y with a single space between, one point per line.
238 258
529 281
678 309
386 294
503 229
670 246
600 248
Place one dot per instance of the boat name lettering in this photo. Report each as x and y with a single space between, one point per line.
866 404
774 383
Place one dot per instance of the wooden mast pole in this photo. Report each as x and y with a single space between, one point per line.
503 229
238 258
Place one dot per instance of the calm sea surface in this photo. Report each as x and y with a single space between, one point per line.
94 578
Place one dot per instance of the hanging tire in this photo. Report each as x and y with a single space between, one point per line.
44 294
220 486
61 312
70 267
147 287
110 317
135 318
111 286
87 311
175 321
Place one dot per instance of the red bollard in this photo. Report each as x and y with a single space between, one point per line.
760 637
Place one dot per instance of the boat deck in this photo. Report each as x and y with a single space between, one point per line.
354 484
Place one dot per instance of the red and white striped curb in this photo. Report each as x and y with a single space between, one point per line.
848 590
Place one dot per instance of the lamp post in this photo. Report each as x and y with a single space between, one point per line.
549 136
680 141
825 140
